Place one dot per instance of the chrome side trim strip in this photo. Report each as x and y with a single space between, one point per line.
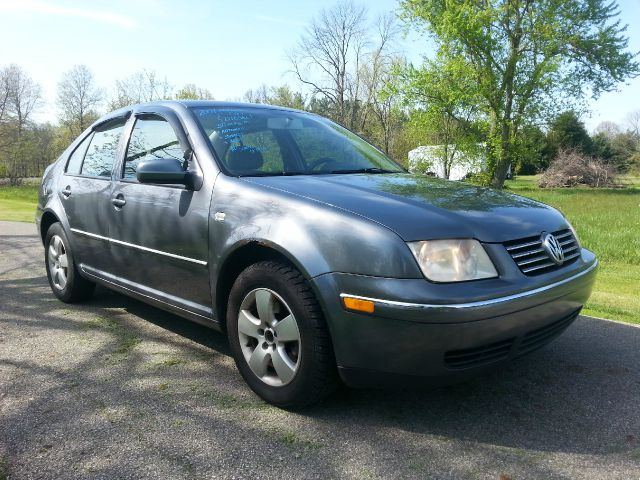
139 247
482 303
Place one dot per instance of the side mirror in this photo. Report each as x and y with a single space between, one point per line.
163 171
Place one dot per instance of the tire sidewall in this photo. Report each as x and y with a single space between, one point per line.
259 276
64 294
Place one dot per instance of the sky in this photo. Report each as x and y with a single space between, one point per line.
225 46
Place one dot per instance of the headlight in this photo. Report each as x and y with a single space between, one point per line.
453 260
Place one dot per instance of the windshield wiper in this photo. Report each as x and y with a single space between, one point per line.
273 174
364 170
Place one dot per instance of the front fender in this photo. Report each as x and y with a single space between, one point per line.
320 238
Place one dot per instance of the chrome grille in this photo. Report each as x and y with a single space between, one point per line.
532 259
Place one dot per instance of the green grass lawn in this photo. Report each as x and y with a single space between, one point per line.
18 204
607 221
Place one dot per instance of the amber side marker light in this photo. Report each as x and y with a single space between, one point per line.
358 305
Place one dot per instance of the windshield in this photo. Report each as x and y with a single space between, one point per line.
262 142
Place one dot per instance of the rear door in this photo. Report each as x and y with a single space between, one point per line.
85 190
160 232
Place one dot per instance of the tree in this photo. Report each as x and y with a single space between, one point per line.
633 122
526 59
78 99
20 97
329 55
447 111
608 129
568 132
531 145
143 86
282 96
193 92
337 56
381 100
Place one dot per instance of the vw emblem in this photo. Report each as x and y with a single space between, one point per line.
552 246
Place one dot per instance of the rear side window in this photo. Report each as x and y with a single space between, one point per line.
152 138
75 160
102 151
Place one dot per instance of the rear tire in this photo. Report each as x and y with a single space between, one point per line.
62 273
278 336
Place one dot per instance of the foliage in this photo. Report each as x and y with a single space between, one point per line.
20 97
571 168
192 92
530 148
78 99
345 66
525 59
445 110
282 96
567 132
143 86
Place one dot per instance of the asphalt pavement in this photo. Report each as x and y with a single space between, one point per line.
116 389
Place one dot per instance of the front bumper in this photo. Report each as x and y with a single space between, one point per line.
415 332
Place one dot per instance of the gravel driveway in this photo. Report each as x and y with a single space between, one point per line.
117 389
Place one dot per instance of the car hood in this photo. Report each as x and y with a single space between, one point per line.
425 208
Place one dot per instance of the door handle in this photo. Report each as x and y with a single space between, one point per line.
66 192
118 201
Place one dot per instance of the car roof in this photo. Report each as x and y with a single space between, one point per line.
178 104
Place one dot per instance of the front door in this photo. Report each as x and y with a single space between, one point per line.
160 232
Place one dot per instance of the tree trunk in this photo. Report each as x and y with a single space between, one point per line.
503 159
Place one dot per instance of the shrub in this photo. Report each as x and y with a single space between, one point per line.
571 168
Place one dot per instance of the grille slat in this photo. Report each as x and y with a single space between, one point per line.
473 357
504 349
538 267
532 258
530 252
516 247
540 337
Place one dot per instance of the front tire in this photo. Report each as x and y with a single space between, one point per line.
278 336
62 273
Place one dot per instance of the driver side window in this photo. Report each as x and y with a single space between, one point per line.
152 138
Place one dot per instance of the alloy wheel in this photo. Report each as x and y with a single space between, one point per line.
269 337
58 262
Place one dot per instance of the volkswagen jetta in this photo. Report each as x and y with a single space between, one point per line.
320 257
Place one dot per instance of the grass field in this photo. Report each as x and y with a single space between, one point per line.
18 204
607 221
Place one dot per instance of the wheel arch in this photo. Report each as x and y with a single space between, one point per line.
48 219
241 257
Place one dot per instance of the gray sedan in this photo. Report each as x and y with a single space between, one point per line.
321 258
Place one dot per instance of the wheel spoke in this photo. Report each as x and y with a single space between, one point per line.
62 277
287 329
264 303
53 255
282 365
248 324
57 244
63 260
259 361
